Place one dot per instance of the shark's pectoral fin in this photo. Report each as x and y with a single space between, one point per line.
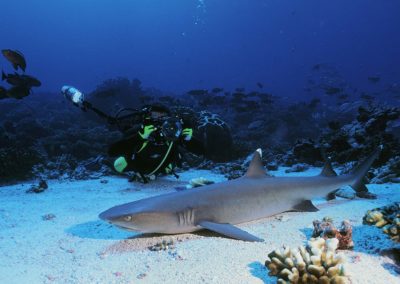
230 231
305 206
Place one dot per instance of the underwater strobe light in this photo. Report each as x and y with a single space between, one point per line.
74 95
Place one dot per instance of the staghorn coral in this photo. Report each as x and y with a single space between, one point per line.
318 263
387 218
326 229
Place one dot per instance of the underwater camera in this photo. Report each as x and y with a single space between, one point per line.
171 128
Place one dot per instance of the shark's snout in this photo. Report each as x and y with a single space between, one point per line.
108 215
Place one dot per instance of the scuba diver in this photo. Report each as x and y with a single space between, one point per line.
154 138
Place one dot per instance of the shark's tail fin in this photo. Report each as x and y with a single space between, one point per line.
359 173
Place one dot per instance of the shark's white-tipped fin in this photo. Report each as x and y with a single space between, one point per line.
256 168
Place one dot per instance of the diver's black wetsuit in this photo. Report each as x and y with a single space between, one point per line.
154 155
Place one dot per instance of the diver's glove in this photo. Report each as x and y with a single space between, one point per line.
147 130
120 164
187 133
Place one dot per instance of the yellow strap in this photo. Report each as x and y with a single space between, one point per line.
143 146
163 160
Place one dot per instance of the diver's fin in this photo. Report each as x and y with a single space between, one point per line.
305 206
230 231
328 171
256 168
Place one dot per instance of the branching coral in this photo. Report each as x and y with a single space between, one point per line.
387 218
318 263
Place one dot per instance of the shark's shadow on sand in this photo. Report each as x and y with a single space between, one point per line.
104 231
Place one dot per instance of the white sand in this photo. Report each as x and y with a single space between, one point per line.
77 247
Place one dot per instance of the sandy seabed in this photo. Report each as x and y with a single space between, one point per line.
56 237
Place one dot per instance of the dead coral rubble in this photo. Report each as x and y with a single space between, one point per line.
327 230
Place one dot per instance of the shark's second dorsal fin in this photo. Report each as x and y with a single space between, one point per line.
256 168
328 171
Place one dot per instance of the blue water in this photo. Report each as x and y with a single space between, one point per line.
179 45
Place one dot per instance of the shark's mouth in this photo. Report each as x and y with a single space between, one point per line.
124 227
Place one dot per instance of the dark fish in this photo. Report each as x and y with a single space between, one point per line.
374 79
105 93
314 103
316 67
343 97
197 92
240 90
167 99
217 90
367 97
3 93
21 80
260 85
218 100
239 95
16 58
18 92
252 94
332 90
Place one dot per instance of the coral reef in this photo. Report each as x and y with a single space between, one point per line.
42 186
387 218
17 162
327 230
164 245
318 263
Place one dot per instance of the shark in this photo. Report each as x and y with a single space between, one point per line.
220 207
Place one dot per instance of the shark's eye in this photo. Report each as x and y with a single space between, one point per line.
128 218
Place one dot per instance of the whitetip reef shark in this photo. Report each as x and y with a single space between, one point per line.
219 207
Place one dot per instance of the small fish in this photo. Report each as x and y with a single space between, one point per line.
16 58
367 97
374 79
217 90
260 85
240 90
197 92
332 90
20 80
314 103
18 92
316 67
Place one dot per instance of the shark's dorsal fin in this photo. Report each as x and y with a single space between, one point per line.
230 231
328 171
256 168
305 206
